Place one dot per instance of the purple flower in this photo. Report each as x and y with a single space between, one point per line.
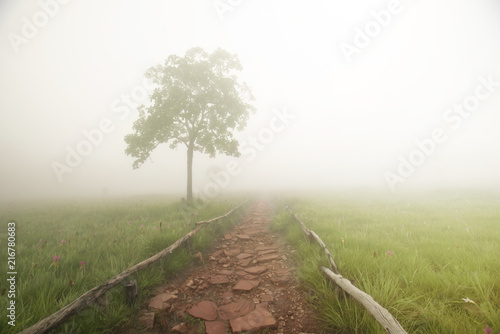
63 242
487 330
390 253
82 263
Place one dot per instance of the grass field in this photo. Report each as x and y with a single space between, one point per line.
65 248
431 259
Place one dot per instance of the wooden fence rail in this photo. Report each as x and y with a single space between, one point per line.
388 322
98 292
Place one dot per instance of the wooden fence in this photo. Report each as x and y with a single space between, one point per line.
99 292
388 322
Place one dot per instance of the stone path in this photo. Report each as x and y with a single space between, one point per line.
245 285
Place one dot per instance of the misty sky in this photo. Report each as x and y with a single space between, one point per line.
360 83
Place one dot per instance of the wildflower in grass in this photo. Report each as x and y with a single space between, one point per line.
342 239
487 329
389 253
467 229
468 300
82 264
71 283
55 260
63 242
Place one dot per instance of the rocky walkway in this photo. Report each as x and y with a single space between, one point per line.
245 285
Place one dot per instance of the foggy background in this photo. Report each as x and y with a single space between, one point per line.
352 120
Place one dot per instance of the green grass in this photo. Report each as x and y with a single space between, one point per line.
109 236
444 247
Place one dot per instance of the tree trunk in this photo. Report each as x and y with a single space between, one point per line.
189 196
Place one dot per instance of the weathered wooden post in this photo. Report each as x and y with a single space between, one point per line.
131 291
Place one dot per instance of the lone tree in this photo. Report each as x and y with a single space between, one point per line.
199 102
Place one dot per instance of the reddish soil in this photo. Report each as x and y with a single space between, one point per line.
245 285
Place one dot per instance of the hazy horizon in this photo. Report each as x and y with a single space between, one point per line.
391 95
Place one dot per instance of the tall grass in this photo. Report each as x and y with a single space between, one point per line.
95 241
418 256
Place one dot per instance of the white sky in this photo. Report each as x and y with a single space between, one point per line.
352 119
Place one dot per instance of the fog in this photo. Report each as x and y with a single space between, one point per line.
390 95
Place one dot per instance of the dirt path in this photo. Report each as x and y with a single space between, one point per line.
245 285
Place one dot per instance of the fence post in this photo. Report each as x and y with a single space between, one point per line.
131 291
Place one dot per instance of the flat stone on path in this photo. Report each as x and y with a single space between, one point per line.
236 309
243 236
265 248
219 279
256 270
246 285
243 256
280 279
214 327
148 320
244 262
232 252
258 319
267 298
265 252
226 272
205 310
160 302
216 253
266 258
180 328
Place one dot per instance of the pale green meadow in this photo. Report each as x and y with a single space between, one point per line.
65 248
431 259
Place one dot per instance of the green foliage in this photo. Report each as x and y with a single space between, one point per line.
418 256
198 102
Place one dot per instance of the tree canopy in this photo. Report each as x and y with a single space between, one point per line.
198 101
